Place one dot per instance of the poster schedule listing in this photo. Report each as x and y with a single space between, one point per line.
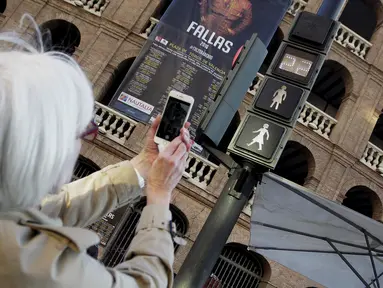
195 74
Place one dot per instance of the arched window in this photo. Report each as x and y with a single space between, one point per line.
360 16
333 83
272 50
296 163
83 168
238 267
3 5
377 134
365 201
161 9
119 244
117 77
60 35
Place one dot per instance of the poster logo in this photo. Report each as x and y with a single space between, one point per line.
136 103
162 40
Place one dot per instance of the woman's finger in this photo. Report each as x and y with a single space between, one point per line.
185 136
180 152
187 125
153 128
172 146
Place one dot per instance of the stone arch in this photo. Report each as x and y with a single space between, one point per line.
296 163
3 6
333 84
272 50
115 80
366 13
365 201
60 35
237 266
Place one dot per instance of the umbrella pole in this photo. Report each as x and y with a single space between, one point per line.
207 247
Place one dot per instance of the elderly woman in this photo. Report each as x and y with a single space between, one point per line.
46 104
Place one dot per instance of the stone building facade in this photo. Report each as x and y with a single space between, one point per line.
336 149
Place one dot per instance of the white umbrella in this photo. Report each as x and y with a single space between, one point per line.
321 239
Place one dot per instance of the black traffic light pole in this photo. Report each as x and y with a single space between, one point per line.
206 249
210 241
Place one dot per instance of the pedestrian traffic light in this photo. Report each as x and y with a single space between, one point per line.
268 124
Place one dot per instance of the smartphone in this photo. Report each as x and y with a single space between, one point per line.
176 113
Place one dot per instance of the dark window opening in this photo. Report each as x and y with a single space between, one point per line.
120 241
377 134
364 201
60 35
236 267
161 9
116 80
329 88
294 163
84 167
3 5
360 17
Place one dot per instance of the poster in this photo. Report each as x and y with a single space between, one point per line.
192 50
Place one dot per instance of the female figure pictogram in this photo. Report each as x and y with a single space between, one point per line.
259 138
278 97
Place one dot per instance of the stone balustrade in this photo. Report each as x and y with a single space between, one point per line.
253 89
353 42
93 6
297 6
317 120
373 158
113 124
199 170
152 24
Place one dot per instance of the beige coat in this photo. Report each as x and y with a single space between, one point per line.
44 248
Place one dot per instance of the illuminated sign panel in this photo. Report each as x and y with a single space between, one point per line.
297 64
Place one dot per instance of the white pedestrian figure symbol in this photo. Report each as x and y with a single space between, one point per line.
259 138
278 97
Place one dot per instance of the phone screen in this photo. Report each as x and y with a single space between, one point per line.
173 119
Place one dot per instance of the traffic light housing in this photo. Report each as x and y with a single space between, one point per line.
268 124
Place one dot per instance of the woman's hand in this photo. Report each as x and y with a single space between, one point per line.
166 172
144 161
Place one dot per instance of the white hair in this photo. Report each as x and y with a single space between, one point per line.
46 102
